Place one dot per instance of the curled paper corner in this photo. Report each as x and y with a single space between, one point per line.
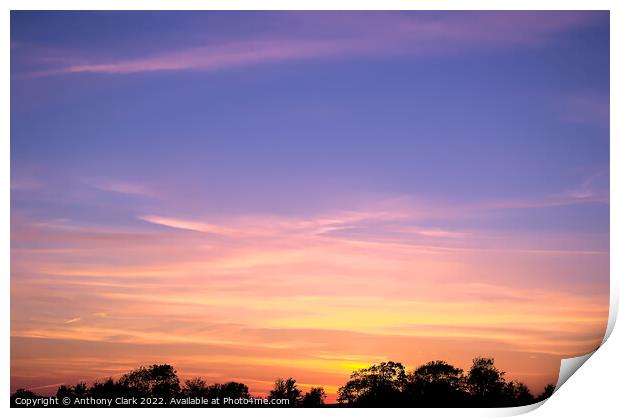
569 366
520 410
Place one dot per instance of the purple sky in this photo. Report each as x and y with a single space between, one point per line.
165 139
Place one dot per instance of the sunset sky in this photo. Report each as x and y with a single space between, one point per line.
250 196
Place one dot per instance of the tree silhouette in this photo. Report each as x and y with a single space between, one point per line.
547 392
286 389
108 389
485 382
233 390
22 394
436 383
152 381
198 388
378 385
516 393
195 388
315 397
72 392
387 384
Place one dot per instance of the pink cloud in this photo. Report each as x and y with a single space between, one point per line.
210 57
349 34
285 298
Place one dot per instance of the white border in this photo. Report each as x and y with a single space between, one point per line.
578 397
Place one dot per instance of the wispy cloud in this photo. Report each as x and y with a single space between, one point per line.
119 186
584 193
290 289
568 198
346 34
108 273
188 225
252 226
212 57
400 219
432 232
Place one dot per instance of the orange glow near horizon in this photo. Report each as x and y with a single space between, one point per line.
254 195
256 299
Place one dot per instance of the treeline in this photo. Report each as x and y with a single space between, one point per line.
149 385
388 384
436 384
